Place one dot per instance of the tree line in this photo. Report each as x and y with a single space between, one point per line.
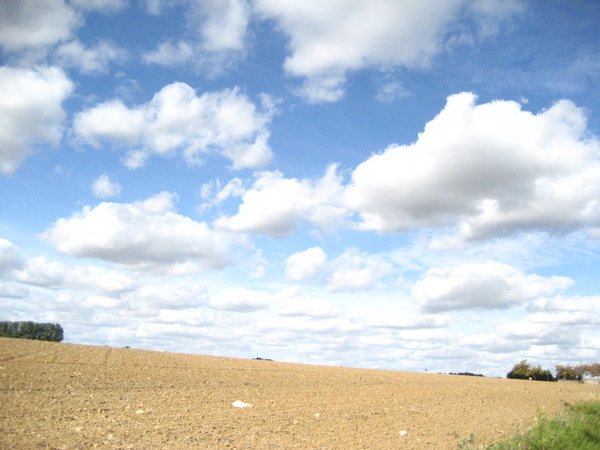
32 330
525 371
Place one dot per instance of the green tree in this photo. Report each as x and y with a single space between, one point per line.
32 330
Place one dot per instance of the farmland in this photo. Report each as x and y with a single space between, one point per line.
72 396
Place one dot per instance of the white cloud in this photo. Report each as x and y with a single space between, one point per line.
275 205
104 187
355 270
296 303
222 24
30 111
486 285
329 39
241 300
12 290
171 295
305 264
171 53
94 60
40 271
578 311
31 24
147 233
178 120
389 91
491 169
101 302
402 319
215 36
10 257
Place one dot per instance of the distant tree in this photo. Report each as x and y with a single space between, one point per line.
520 371
576 372
32 330
524 371
568 373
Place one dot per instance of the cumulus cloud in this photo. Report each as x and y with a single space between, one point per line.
488 285
275 205
177 119
147 234
93 60
31 24
222 24
490 169
329 39
293 302
171 295
104 187
10 257
575 311
30 111
241 300
12 290
215 193
42 272
402 319
101 302
171 53
305 264
355 270
216 34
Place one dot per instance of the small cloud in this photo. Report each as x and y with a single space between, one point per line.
390 91
89 60
306 264
103 187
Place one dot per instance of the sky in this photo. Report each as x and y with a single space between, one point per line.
386 183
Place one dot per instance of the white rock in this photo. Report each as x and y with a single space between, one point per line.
240 404
403 433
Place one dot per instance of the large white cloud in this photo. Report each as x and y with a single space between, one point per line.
30 24
177 119
491 169
328 39
148 233
275 205
30 111
486 285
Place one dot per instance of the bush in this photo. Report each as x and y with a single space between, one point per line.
578 428
32 330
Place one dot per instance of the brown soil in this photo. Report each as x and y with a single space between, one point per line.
72 396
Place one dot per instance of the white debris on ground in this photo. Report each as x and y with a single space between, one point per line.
240 404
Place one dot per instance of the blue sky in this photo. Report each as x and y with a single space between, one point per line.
391 184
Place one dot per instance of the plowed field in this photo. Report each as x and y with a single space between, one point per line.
72 396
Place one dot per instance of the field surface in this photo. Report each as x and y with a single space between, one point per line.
72 396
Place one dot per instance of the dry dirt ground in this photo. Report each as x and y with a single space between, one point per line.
72 396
